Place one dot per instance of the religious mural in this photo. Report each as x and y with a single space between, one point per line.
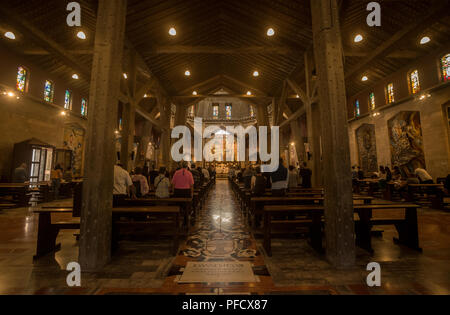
367 148
74 141
405 135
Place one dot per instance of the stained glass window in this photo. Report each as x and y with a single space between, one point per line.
372 101
414 81
68 100
120 124
228 111
445 67
357 109
48 91
84 107
390 93
215 111
22 77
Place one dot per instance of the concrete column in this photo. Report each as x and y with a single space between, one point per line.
314 136
143 144
128 123
164 150
339 225
95 235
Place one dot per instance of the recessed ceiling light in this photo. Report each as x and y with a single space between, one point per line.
425 40
187 73
10 35
256 74
194 93
358 38
125 76
270 32
249 93
364 78
172 31
75 76
81 35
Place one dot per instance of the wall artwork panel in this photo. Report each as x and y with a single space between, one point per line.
367 148
74 140
406 141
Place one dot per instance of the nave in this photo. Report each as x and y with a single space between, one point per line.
145 265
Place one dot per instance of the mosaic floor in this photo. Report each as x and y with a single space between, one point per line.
145 266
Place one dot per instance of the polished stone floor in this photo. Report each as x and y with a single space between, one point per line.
145 266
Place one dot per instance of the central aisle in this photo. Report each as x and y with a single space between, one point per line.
220 235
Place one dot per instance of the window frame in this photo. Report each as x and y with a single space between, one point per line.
52 91
27 79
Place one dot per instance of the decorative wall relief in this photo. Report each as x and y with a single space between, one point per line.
74 140
367 148
405 135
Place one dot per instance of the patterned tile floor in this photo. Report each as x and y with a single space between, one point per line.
143 266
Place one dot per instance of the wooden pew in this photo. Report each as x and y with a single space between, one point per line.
407 226
185 205
258 203
14 193
434 192
157 216
48 230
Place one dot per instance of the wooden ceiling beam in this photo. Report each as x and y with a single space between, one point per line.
411 30
222 50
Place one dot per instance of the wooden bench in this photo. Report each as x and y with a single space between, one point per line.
407 226
434 192
166 216
185 205
48 230
16 193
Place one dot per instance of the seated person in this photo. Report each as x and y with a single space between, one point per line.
258 183
293 177
143 184
123 185
423 176
68 175
162 184
280 180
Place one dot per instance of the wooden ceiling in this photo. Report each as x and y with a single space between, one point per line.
223 42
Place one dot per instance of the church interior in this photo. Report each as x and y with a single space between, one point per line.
352 96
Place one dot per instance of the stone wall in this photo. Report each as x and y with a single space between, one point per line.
434 125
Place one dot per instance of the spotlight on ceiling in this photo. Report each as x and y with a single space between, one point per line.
75 76
10 35
81 35
125 76
11 94
249 93
194 93
364 78
172 31
256 74
425 40
358 38
187 73
270 32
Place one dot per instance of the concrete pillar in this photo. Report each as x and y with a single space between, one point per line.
164 149
339 225
128 123
143 144
95 235
314 136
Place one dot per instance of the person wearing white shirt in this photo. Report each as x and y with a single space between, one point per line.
122 185
205 173
423 176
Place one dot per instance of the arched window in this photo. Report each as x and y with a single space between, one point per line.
357 109
84 107
372 101
68 100
414 83
49 91
390 93
22 79
252 112
445 68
